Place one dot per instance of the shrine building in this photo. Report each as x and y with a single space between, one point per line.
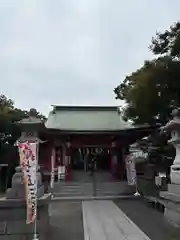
75 131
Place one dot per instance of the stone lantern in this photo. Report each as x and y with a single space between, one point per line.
172 210
29 132
30 127
13 207
173 127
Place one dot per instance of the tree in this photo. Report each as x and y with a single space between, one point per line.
9 131
152 91
167 43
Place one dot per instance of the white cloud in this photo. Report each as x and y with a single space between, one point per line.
75 51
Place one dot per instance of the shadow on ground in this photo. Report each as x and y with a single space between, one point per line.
66 221
150 221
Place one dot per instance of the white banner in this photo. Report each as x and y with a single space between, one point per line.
52 168
28 163
61 172
130 169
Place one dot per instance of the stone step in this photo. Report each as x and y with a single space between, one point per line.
85 198
174 197
66 194
87 183
81 191
60 186
89 189
75 189
90 186
71 195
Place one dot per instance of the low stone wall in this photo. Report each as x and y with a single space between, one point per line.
146 180
13 220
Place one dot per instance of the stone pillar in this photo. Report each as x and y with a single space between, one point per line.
172 196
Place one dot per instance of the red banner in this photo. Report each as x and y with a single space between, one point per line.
28 163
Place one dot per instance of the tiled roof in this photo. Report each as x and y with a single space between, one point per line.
86 118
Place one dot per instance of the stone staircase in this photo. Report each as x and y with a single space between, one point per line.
88 189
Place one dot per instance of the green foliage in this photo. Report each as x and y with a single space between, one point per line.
152 91
9 131
167 43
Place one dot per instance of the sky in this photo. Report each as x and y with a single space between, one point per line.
75 52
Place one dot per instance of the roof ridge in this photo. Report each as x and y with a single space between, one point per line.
87 108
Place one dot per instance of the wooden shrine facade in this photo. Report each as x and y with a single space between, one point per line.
87 129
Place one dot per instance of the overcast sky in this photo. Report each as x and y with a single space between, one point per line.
75 51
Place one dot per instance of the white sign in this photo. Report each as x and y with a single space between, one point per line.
61 172
130 169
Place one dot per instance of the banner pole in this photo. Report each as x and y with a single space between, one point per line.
35 236
137 194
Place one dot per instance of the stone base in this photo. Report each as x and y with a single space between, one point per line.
13 219
175 173
12 193
172 208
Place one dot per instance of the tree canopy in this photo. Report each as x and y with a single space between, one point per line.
151 92
9 131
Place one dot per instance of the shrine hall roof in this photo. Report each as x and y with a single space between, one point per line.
86 118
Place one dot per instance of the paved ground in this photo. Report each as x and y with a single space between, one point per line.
104 220
148 220
66 219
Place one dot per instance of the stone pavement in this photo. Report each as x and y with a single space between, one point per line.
67 219
104 220
149 220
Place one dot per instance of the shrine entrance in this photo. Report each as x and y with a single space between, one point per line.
81 158
104 180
